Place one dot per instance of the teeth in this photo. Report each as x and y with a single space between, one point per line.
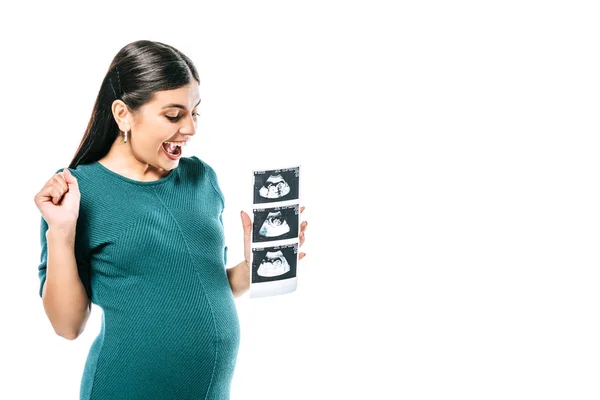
178 143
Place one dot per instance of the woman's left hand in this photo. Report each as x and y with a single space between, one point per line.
247 224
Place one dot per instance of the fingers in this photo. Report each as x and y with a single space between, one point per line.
60 181
247 224
303 226
51 192
57 193
60 185
56 187
302 229
68 177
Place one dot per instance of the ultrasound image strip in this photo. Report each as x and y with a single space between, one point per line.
276 229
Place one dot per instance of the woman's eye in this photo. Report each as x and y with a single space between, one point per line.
177 117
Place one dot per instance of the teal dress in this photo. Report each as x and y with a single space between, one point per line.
152 256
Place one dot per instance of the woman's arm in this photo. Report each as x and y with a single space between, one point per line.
239 278
64 297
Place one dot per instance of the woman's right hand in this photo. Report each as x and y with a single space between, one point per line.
58 201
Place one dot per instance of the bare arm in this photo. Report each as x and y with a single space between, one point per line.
64 297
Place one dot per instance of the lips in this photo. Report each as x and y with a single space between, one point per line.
177 151
173 149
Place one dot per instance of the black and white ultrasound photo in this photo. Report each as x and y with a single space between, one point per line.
275 223
276 185
274 263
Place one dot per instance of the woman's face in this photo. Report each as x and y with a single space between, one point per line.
170 116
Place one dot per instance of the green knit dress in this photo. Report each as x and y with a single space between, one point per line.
152 256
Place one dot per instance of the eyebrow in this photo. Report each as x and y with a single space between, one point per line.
179 105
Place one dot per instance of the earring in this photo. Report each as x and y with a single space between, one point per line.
125 133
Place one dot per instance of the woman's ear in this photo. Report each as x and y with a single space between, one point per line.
121 115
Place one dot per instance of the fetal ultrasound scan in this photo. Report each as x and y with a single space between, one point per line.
276 185
277 223
274 263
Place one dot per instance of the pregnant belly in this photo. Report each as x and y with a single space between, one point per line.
184 353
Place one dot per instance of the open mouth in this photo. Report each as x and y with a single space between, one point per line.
173 150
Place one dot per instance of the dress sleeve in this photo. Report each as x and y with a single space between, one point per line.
44 257
81 258
214 181
83 266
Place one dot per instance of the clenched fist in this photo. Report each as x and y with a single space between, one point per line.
58 201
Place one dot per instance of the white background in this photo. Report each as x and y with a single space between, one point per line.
450 174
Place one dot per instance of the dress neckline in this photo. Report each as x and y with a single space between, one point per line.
159 181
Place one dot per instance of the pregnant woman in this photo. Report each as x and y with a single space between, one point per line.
135 228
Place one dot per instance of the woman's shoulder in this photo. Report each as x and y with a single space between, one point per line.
93 192
198 167
202 170
78 172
